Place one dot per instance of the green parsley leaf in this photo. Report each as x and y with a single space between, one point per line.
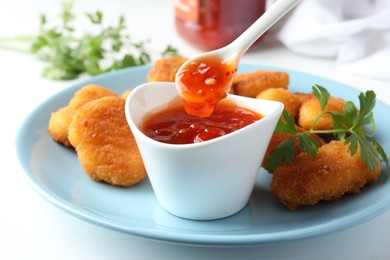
69 53
283 153
321 94
308 144
286 124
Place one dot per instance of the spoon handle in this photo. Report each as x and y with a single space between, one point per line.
258 28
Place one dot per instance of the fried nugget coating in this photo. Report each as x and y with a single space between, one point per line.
60 119
311 108
302 97
291 102
332 174
165 69
253 83
59 123
104 143
126 93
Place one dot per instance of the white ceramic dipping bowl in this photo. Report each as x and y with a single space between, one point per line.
207 180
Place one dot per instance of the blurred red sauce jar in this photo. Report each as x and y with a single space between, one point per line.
211 24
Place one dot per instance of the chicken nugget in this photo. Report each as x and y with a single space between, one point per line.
104 143
332 174
59 123
126 93
165 69
60 120
302 97
311 108
291 102
253 83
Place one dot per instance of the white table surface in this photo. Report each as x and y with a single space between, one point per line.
32 228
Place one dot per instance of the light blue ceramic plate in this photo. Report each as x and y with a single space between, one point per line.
55 173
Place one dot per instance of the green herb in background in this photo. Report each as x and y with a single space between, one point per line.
70 54
348 125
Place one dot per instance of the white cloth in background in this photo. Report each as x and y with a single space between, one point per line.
354 32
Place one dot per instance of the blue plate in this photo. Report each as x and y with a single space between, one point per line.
55 173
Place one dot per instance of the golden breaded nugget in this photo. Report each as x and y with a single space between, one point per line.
89 93
165 69
302 97
104 143
126 93
60 120
290 101
332 174
231 90
251 84
311 108
59 123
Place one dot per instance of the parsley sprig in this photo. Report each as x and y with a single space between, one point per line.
350 125
70 53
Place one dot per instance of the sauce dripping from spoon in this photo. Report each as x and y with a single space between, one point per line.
204 82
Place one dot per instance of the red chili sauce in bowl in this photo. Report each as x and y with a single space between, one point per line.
175 126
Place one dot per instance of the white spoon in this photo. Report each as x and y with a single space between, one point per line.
204 80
